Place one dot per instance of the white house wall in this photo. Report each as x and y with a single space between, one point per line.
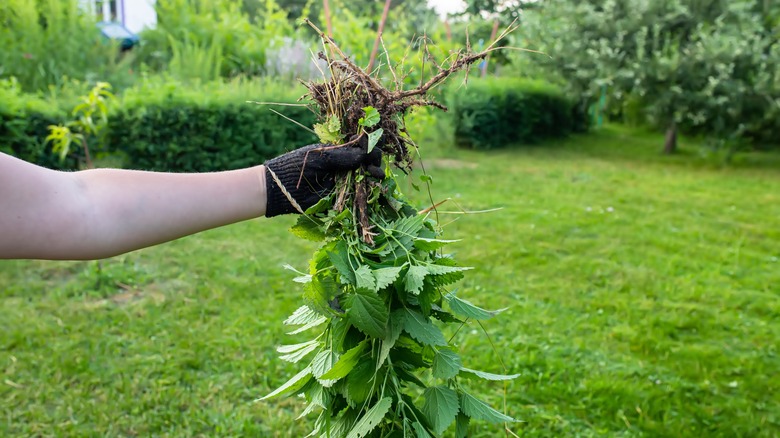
138 14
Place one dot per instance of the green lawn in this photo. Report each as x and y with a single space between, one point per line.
644 296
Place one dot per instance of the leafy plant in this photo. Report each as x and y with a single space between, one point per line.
378 288
91 118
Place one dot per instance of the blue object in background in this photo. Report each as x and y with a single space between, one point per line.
118 32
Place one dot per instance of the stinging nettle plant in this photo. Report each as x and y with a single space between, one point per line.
377 289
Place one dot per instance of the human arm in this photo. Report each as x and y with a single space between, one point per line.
100 213
90 214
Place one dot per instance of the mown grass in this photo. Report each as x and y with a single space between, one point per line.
643 295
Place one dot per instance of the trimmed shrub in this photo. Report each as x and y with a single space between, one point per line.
24 122
494 112
168 127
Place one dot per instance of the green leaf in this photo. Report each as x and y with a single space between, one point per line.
468 310
386 276
364 279
422 329
443 279
367 312
481 411
322 205
346 362
462 426
431 244
420 431
426 178
371 419
339 256
312 324
361 383
302 315
414 278
434 269
489 376
372 117
321 364
308 228
318 293
446 363
294 353
329 132
292 385
373 138
441 407
394 326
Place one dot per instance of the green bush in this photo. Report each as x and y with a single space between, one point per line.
24 122
167 127
495 112
46 42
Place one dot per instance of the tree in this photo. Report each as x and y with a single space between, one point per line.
698 65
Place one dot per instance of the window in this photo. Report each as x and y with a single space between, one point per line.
108 10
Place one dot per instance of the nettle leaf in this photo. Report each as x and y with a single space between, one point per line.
422 329
373 138
321 364
329 132
488 376
386 276
434 269
339 256
308 228
371 418
318 294
479 410
462 426
426 244
394 326
368 312
441 406
441 278
346 362
302 315
291 386
420 431
308 326
414 278
361 383
364 279
446 363
296 352
372 117
467 310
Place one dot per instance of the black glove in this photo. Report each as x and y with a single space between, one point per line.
319 173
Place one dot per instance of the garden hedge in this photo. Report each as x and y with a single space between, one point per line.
24 122
494 112
168 126
181 129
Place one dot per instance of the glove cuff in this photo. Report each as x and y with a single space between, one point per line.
277 202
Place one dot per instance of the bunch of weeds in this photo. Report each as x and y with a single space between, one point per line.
380 283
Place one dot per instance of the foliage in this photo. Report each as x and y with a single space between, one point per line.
24 122
495 112
45 42
378 304
708 66
91 118
207 39
169 126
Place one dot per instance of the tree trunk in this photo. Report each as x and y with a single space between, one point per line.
670 143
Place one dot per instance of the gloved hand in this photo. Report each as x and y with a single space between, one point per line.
319 173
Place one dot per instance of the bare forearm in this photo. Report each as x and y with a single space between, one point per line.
134 209
104 212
